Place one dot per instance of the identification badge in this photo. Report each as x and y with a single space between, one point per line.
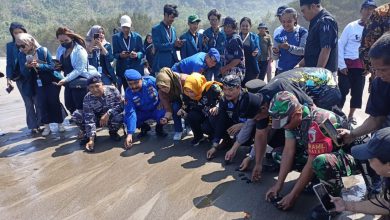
100 69
39 82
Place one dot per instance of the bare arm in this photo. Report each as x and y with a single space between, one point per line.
367 207
304 178
324 57
287 161
371 124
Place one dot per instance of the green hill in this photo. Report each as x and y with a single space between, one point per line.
42 17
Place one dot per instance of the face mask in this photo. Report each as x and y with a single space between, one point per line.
67 45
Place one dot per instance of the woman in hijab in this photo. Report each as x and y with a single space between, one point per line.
36 67
13 74
170 93
200 105
100 54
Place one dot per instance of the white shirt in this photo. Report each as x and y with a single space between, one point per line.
349 43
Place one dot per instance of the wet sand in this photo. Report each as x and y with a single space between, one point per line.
53 178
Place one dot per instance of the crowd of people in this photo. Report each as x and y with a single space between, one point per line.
212 85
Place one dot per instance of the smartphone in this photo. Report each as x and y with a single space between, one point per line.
323 196
96 36
332 132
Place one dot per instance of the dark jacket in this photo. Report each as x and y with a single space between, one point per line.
45 71
107 61
12 60
118 45
191 47
165 55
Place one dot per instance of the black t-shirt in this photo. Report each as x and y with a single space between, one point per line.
378 102
323 33
277 85
210 99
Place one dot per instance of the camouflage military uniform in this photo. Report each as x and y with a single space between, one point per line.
95 107
331 162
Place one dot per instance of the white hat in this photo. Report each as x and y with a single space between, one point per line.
125 21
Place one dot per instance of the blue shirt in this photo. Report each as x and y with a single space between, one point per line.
287 60
145 100
216 40
194 63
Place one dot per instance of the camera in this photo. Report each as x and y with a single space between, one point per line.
9 88
96 36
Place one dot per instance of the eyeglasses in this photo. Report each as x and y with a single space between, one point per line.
20 46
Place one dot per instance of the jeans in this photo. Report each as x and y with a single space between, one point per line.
33 115
49 104
328 98
176 119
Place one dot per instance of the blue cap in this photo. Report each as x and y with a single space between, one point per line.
94 79
378 147
132 74
369 3
215 54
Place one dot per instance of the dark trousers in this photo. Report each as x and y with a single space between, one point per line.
263 65
49 104
200 124
354 82
122 82
74 98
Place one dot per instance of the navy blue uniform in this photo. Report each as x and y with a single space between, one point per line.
142 105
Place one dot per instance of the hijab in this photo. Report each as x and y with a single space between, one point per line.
197 83
171 80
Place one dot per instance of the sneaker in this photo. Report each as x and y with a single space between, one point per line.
61 128
115 136
46 131
189 132
177 136
196 141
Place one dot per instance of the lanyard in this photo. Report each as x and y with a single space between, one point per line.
98 57
215 36
168 33
128 43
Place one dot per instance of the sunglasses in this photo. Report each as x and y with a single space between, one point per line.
21 46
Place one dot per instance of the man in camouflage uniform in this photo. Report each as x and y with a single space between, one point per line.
102 107
304 133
